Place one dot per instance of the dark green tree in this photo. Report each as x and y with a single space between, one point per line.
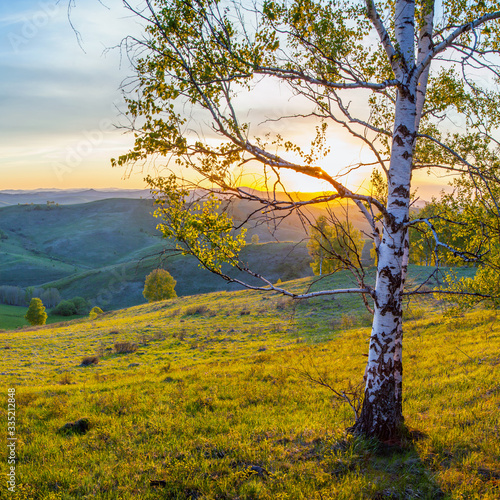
64 308
81 305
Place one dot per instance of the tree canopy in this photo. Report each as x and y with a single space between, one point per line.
159 285
36 314
415 83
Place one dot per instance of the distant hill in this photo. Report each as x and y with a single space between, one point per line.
104 249
67 196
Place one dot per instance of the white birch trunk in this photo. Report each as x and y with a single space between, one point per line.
424 46
381 414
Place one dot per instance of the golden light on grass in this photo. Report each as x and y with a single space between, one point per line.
215 405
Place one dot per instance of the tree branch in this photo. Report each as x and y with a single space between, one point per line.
448 41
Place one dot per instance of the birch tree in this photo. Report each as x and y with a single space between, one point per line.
388 72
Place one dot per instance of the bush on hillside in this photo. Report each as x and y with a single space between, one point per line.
159 285
64 308
82 306
77 305
94 312
125 347
90 361
200 309
36 314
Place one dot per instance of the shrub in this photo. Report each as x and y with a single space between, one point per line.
159 285
64 308
81 305
125 347
65 379
284 303
90 360
347 321
94 312
36 314
201 309
76 305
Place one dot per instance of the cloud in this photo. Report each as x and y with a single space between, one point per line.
54 92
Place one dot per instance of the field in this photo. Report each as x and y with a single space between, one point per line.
12 317
211 397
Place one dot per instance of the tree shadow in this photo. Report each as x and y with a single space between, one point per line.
394 466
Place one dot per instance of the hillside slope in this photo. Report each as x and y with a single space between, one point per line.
211 397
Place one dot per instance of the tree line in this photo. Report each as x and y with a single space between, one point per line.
17 296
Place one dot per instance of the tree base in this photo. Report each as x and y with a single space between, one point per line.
387 427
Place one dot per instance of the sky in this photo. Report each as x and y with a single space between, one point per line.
61 104
60 100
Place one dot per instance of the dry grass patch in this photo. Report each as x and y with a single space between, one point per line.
90 361
124 347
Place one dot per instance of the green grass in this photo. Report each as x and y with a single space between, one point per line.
214 403
12 317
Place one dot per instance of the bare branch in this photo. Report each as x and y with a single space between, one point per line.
448 41
373 15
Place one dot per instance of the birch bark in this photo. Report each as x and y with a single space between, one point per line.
424 48
381 414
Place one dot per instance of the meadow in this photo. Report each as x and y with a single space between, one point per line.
216 396
12 317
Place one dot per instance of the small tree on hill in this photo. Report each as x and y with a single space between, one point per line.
95 312
36 314
334 246
159 285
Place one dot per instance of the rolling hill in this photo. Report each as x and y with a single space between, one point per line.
104 249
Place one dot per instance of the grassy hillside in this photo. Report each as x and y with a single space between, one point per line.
214 401
121 285
103 251
83 236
